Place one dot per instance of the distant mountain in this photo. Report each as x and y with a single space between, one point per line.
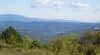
47 30
12 17
44 29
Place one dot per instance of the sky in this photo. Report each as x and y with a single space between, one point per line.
79 10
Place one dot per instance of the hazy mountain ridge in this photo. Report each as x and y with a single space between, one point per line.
12 17
46 30
43 29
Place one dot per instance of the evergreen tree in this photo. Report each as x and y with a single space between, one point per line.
11 35
35 43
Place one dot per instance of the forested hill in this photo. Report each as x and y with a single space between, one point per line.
43 29
46 30
13 17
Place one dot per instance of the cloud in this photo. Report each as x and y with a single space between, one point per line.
43 2
49 3
97 9
58 4
72 2
80 6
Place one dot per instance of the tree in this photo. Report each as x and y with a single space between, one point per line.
12 40
44 46
91 37
26 41
97 38
88 37
35 43
67 44
87 40
11 35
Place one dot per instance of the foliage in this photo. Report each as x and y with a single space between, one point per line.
11 36
86 44
67 44
35 43
44 46
27 42
47 30
97 38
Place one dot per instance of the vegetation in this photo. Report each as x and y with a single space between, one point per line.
11 36
47 30
12 43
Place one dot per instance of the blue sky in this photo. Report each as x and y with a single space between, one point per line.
80 10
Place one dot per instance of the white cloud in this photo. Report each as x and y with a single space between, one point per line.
49 3
72 3
58 4
43 2
97 9
81 6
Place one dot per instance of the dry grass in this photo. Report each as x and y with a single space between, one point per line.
12 50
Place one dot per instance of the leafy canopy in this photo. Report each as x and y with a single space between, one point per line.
11 36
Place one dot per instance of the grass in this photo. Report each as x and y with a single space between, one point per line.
13 50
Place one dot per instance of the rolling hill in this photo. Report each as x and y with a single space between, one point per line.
43 29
